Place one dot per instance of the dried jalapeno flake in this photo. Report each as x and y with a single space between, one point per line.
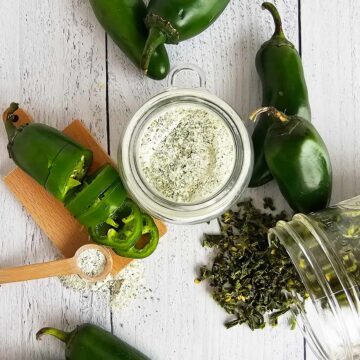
248 277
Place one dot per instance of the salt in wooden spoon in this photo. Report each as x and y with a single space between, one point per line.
57 268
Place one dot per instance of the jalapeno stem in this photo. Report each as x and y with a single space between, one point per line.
59 334
270 111
155 39
10 119
276 16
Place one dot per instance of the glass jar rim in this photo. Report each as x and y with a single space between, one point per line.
201 211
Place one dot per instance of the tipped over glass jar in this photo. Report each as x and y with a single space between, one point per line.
325 249
186 156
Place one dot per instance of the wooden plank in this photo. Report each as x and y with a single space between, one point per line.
331 54
12 237
332 58
188 323
52 62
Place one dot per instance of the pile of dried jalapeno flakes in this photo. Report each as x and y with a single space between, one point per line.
248 277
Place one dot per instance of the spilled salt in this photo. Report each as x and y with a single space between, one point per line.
118 290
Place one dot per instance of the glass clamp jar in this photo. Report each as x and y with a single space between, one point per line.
186 156
325 249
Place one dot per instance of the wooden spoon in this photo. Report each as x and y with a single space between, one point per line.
57 268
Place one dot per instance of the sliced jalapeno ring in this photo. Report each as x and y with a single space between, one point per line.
68 170
148 242
92 190
122 230
105 206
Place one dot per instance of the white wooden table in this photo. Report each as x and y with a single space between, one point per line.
59 64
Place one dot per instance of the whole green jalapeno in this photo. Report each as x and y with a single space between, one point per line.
123 20
298 159
173 21
279 66
99 201
90 342
54 160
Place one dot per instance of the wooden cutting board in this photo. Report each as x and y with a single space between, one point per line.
66 233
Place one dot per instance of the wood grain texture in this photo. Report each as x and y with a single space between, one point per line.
331 54
53 63
187 322
61 75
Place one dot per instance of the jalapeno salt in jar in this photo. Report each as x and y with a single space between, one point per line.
325 249
186 156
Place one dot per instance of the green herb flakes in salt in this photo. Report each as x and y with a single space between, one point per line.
91 262
118 290
187 153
